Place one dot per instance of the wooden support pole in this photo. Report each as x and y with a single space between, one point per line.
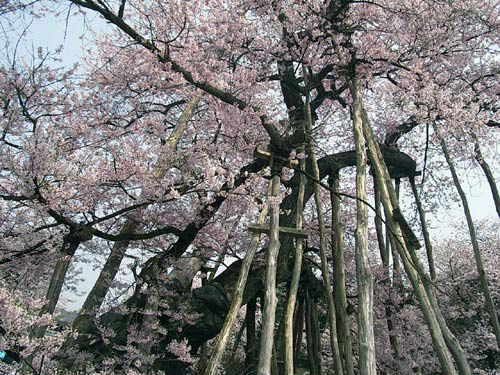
263 228
298 331
364 276
488 173
332 323
406 229
411 263
393 338
223 337
339 277
483 277
108 273
425 232
250 343
313 357
270 302
266 155
294 285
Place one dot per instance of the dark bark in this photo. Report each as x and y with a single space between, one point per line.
311 338
250 348
69 247
489 176
298 329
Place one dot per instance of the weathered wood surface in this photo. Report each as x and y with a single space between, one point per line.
263 228
266 155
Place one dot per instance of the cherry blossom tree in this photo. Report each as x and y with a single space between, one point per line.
188 122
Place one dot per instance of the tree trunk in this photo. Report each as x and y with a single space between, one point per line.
69 247
274 361
316 334
236 344
339 275
475 246
310 336
95 298
251 342
57 280
299 329
367 362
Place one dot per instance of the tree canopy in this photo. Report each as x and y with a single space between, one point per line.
254 181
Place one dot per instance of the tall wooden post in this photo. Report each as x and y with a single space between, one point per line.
269 314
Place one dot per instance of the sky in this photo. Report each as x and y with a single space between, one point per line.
52 31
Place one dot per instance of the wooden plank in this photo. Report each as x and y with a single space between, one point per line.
266 155
263 228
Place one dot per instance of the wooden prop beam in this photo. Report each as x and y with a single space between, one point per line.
263 228
266 155
406 229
